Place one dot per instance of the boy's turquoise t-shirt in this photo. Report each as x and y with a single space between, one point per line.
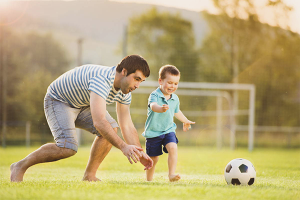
161 123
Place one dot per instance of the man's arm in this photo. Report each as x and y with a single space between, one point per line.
98 110
128 130
130 133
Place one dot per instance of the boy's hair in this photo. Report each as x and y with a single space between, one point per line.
132 63
171 69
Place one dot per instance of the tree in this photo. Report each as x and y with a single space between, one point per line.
33 61
163 38
266 56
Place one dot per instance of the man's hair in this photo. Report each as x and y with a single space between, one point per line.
132 63
171 69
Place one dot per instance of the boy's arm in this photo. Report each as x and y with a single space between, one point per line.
157 108
186 123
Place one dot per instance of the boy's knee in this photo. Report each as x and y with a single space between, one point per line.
155 159
171 147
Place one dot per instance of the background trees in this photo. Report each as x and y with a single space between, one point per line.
32 62
164 38
264 55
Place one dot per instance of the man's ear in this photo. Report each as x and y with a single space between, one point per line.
124 72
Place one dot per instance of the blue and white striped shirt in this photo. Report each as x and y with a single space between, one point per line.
74 86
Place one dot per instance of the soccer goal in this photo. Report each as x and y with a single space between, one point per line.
220 91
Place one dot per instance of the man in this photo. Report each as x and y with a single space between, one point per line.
79 98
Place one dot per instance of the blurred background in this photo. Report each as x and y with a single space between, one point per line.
239 63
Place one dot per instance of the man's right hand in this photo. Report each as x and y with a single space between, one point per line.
132 152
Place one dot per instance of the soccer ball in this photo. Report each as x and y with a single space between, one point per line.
240 172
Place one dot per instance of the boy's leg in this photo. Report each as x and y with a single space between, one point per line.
153 149
150 172
172 161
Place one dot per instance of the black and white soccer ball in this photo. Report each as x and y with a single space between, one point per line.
240 172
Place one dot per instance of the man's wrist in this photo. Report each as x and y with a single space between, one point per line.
123 145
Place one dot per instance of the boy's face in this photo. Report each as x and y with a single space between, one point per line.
170 84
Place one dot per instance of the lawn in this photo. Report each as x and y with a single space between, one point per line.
278 176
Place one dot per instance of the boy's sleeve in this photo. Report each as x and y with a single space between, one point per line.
177 107
152 98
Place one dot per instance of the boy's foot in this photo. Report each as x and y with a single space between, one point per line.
174 177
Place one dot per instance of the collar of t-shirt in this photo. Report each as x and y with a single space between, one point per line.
161 95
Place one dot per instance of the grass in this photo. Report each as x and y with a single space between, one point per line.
278 176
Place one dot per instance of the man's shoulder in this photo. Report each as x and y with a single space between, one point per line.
103 72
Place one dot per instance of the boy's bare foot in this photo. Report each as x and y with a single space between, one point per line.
174 177
16 172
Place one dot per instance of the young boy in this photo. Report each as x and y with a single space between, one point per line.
160 128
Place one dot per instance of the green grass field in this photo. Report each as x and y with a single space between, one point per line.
278 176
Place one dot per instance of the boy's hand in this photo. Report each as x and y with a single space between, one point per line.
187 125
165 107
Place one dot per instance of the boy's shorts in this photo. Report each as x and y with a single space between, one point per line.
62 120
154 145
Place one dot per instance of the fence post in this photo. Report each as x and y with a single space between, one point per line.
28 125
219 122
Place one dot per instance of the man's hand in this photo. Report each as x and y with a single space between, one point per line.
146 161
132 152
187 125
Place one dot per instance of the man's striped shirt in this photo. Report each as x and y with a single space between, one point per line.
74 86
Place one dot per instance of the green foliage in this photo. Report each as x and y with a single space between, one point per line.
201 170
266 56
33 61
163 38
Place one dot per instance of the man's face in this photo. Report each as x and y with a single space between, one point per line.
132 81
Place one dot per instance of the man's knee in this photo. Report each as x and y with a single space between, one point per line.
60 152
104 142
67 152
